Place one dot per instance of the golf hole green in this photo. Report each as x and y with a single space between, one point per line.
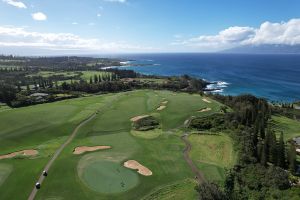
109 177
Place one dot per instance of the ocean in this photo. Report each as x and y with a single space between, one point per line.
274 77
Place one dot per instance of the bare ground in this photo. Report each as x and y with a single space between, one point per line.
132 164
83 149
28 153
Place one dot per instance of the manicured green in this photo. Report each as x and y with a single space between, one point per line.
109 177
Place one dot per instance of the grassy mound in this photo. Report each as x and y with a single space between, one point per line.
145 124
109 177
151 134
212 154
179 190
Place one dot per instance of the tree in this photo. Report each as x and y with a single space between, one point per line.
292 159
27 88
264 154
95 78
273 148
210 191
281 152
91 80
229 184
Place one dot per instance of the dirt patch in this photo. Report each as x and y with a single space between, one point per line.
206 100
161 108
132 164
204 110
137 118
83 149
28 153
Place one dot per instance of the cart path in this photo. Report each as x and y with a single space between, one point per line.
58 152
199 175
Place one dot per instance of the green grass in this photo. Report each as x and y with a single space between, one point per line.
176 191
47 74
87 74
108 177
289 127
212 154
5 170
46 126
151 134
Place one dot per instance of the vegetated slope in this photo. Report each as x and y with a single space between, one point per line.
213 154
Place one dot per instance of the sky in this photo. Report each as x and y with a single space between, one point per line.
130 26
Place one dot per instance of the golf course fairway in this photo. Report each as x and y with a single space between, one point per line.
101 174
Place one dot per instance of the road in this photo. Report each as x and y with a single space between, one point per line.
57 153
199 175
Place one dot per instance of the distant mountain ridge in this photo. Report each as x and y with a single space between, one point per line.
265 49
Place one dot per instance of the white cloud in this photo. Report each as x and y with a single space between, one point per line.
99 15
287 33
118 1
15 3
19 37
39 16
74 23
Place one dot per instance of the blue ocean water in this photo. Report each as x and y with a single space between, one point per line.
274 77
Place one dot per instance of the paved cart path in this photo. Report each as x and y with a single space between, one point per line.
199 175
58 152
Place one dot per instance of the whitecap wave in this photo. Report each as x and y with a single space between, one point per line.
222 84
217 86
125 62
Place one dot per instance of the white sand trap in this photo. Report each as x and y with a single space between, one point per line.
83 149
132 164
204 110
161 108
137 118
164 102
28 153
206 100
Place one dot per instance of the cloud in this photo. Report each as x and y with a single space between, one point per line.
15 3
39 16
118 1
287 33
74 23
21 38
99 15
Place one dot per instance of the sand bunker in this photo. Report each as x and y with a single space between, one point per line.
161 108
206 100
204 110
165 102
137 118
132 164
83 149
28 153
